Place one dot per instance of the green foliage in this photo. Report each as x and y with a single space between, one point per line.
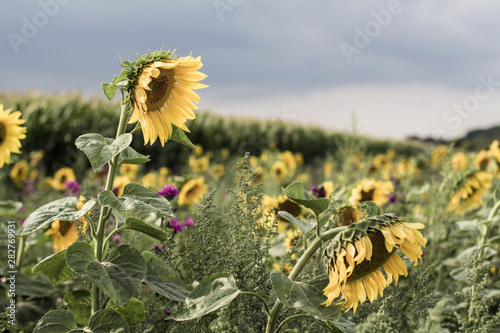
55 268
100 150
297 193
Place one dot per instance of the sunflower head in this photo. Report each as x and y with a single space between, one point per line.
354 257
469 191
11 132
62 176
160 91
371 190
65 233
192 191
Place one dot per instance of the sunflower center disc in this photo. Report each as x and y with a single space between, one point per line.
367 196
161 87
379 256
3 132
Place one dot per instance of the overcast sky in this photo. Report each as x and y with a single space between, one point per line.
421 67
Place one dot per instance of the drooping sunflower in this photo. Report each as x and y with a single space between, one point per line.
469 192
61 177
192 191
354 257
19 171
161 92
371 190
65 233
11 132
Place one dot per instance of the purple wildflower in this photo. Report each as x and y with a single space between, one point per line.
73 187
117 239
167 313
392 198
157 249
176 225
168 192
189 222
319 191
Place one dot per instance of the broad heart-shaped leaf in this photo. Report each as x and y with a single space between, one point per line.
298 194
79 303
57 321
370 208
62 209
212 293
132 311
118 277
129 155
303 225
304 296
131 223
106 320
97 149
109 90
55 268
179 136
163 279
136 197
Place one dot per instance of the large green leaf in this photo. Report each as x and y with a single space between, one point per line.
118 277
132 311
55 268
106 320
298 194
27 285
136 197
179 136
64 209
305 296
97 149
163 279
56 321
343 325
212 293
132 223
79 303
304 226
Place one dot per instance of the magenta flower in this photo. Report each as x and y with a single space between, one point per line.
168 191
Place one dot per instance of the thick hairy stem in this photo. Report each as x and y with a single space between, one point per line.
304 259
105 211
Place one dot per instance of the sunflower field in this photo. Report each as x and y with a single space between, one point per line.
237 226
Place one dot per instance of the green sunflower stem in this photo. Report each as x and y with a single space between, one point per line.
105 211
486 228
303 261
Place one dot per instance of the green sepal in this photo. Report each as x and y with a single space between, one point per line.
299 195
109 90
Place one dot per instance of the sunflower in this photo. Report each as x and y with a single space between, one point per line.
129 170
65 233
276 204
162 93
459 161
348 215
482 160
19 172
199 164
437 155
218 171
119 184
61 177
279 170
192 191
469 192
371 190
10 134
354 257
